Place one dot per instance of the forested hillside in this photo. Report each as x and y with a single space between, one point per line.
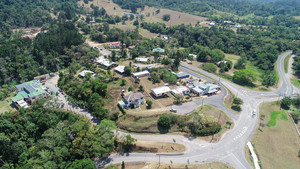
41 137
26 13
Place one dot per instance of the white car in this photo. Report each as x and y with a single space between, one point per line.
254 112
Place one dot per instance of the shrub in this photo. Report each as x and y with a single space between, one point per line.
237 101
166 17
286 103
164 121
236 108
130 88
295 117
209 67
173 118
149 104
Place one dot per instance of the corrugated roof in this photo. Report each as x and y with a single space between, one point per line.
133 96
161 90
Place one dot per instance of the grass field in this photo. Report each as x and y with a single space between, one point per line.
275 117
5 106
276 146
286 63
154 165
295 81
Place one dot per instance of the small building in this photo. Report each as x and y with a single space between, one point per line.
197 91
145 66
141 74
213 86
201 86
212 24
115 46
132 100
105 62
194 56
180 90
182 75
29 92
160 91
131 47
84 72
159 50
165 38
120 69
142 60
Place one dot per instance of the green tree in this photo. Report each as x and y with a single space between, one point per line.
166 17
141 88
164 122
127 144
128 71
84 163
286 103
237 101
149 104
209 67
123 165
244 77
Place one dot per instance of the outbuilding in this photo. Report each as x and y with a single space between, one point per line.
120 69
180 90
141 60
160 91
182 75
141 74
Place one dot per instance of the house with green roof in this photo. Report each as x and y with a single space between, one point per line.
29 92
159 50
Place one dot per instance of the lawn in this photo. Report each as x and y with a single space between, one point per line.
276 146
286 63
275 117
5 106
295 81
154 165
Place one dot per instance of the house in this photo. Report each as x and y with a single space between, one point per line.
159 50
180 90
165 38
115 46
229 22
105 62
182 75
29 92
133 99
141 74
194 56
145 67
160 91
197 91
212 24
141 60
201 86
84 72
131 47
120 69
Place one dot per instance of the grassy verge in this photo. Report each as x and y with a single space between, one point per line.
279 141
286 63
5 105
295 81
154 165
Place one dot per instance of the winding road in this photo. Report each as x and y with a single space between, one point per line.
231 148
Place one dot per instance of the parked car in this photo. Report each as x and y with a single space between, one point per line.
173 110
59 90
62 93
254 112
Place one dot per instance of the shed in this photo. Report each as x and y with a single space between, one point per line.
159 50
180 90
141 74
197 91
84 72
142 60
160 91
182 75
120 69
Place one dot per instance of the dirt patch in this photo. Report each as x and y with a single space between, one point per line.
158 147
110 7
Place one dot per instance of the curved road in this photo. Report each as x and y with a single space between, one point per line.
230 149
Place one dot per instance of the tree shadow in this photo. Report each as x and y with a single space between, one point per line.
101 162
162 130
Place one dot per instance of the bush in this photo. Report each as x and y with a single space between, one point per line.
166 17
237 101
209 67
295 117
236 108
164 121
130 88
149 104
286 103
173 118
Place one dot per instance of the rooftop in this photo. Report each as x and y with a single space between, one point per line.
28 89
120 69
145 72
142 59
133 97
84 72
160 50
161 90
182 75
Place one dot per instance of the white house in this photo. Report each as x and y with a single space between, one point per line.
194 56
197 91
160 91
133 99
120 69
180 90
141 74
84 72
105 62
141 60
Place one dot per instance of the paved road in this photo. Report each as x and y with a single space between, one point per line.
102 51
230 149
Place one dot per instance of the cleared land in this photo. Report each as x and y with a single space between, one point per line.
152 165
158 147
144 122
5 106
295 81
277 146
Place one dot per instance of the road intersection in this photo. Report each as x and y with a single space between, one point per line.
230 149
